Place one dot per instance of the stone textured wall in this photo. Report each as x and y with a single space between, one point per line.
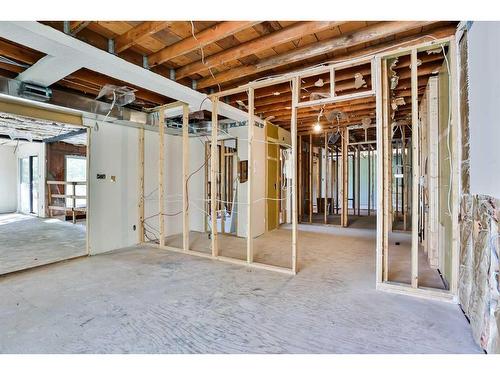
479 288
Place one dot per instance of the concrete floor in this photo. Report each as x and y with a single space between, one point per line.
400 263
361 222
27 241
145 300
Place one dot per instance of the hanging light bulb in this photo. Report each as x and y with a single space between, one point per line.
317 125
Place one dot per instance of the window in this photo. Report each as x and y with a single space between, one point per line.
76 171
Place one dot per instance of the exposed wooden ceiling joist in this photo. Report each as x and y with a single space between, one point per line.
364 35
138 33
76 26
201 39
290 33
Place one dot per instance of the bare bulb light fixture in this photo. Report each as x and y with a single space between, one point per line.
317 127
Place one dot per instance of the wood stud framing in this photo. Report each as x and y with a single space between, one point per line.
185 176
295 83
213 178
141 185
161 189
345 177
415 170
383 163
250 175
411 153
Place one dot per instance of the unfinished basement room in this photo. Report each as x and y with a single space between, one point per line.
250 187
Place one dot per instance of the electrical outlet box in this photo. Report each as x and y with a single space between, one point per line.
101 176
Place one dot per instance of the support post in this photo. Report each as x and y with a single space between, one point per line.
161 190
386 170
326 179
415 170
250 174
141 185
380 69
332 182
397 182
369 180
456 155
358 179
404 182
310 178
295 94
223 195
337 180
300 190
185 176
345 185
214 165
73 204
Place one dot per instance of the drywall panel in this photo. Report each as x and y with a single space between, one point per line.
112 205
196 183
484 96
259 181
8 179
172 184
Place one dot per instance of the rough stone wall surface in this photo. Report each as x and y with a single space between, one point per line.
479 289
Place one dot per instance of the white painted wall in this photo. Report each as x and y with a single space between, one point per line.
196 184
8 179
113 211
259 159
484 99
26 149
173 182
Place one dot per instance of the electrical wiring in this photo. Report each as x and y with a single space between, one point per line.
337 61
448 128
203 55
448 138
190 201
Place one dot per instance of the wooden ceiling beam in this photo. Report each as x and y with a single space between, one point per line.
364 35
306 83
345 108
19 53
265 97
138 33
281 101
429 64
76 26
435 33
210 35
285 35
269 106
269 109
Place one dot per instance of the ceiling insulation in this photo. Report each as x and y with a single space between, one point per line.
37 129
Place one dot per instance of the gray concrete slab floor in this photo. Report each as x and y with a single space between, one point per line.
145 300
28 241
